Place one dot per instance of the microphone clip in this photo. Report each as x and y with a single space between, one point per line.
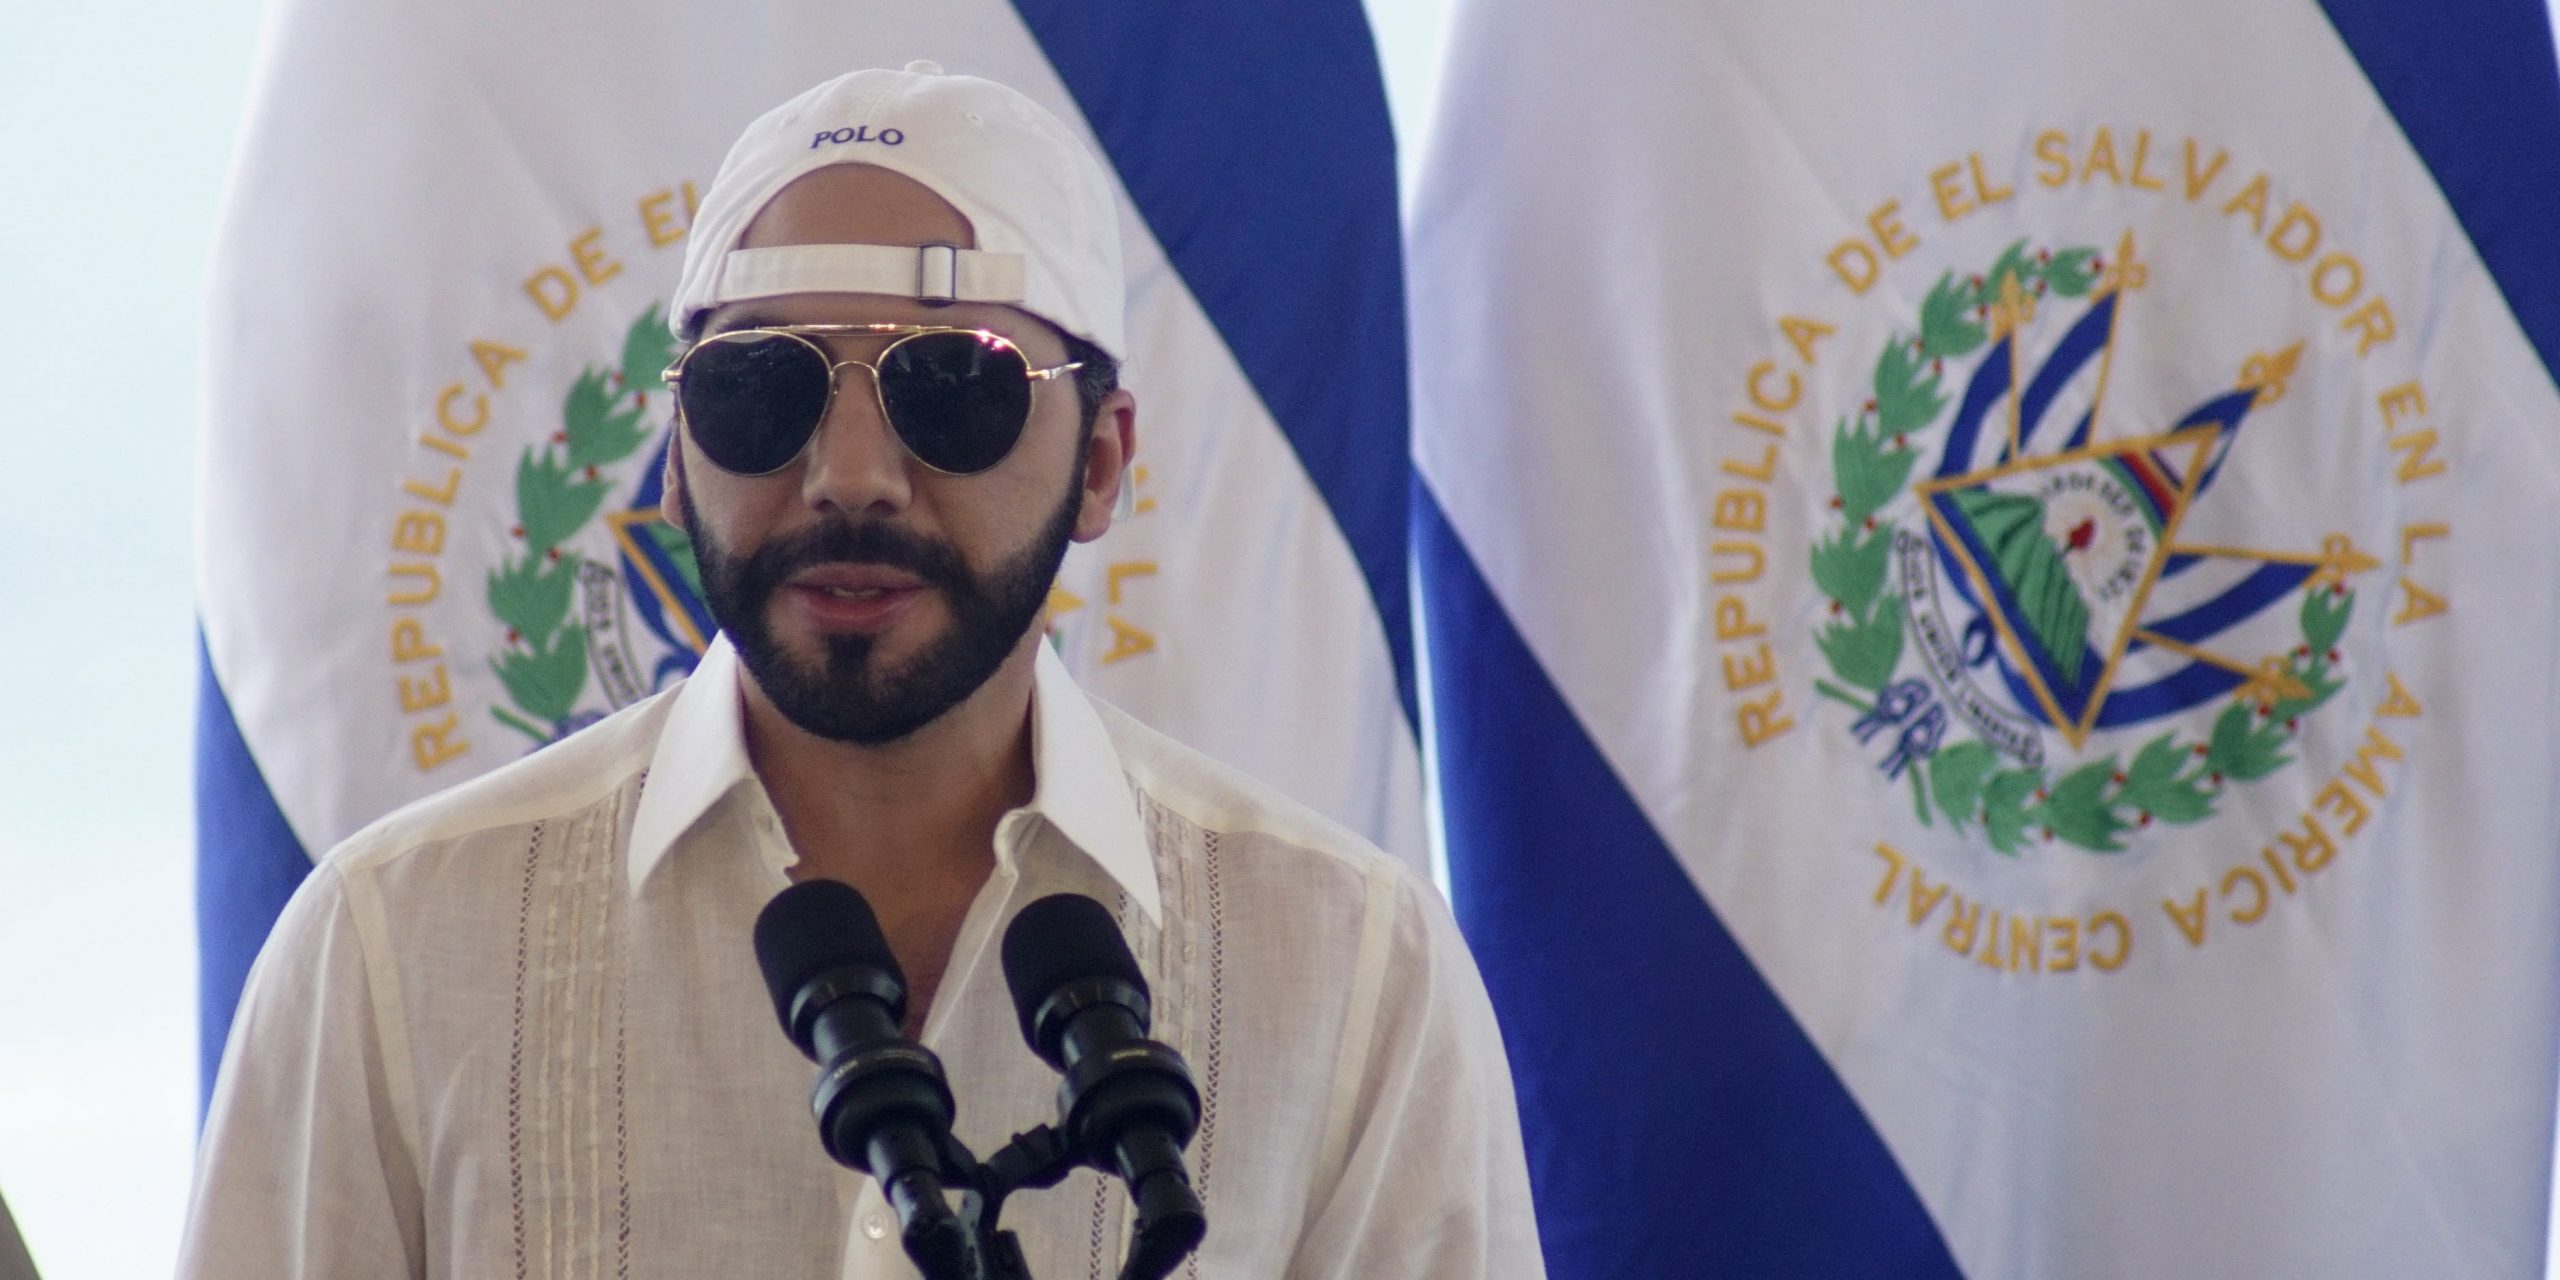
1171 1219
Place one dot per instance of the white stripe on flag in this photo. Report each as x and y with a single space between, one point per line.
2241 960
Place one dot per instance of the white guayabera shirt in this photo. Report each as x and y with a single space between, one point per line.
518 1030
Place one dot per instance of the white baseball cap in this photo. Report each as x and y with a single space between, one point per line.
1045 212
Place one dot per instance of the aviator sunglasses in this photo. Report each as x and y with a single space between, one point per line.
957 398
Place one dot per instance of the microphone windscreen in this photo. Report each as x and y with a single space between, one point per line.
812 927
1063 938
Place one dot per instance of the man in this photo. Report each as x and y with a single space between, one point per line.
518 1030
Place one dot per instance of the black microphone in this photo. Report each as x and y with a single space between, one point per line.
882 1105
1128 1101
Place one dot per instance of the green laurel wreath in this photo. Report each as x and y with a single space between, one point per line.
560 486
2090 806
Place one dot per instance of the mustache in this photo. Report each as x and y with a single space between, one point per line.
841 542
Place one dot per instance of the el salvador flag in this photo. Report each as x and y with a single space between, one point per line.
1991 593
434 417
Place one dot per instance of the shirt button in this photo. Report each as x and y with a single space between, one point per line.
875 1224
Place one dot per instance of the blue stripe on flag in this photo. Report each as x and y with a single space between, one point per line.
247 864
1679 1122
1254 140
2474 86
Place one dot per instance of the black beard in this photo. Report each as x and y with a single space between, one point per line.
845 699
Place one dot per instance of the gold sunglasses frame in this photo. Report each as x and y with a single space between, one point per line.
673 375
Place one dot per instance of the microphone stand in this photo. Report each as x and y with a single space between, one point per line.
1036 1159
1167 1229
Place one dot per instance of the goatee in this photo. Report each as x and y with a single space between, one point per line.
844 697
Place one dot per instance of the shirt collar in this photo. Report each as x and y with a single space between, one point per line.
1079 788
701 758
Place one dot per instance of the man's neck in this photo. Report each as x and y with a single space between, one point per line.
918 812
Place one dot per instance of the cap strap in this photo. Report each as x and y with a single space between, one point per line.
935 273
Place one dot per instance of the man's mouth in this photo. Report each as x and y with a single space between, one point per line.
843 578
854 597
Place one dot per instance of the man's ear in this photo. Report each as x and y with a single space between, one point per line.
1108 450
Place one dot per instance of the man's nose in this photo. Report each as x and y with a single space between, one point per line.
856 467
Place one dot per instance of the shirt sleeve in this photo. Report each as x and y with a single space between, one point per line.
1434 1183
303 1173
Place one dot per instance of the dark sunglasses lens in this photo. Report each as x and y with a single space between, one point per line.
958 401
751 402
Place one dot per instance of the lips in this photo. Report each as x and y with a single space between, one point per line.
855 598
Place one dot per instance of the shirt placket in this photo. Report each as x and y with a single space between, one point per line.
872 1248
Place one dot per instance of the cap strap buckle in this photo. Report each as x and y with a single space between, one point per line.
938 273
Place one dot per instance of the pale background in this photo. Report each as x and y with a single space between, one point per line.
117 121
